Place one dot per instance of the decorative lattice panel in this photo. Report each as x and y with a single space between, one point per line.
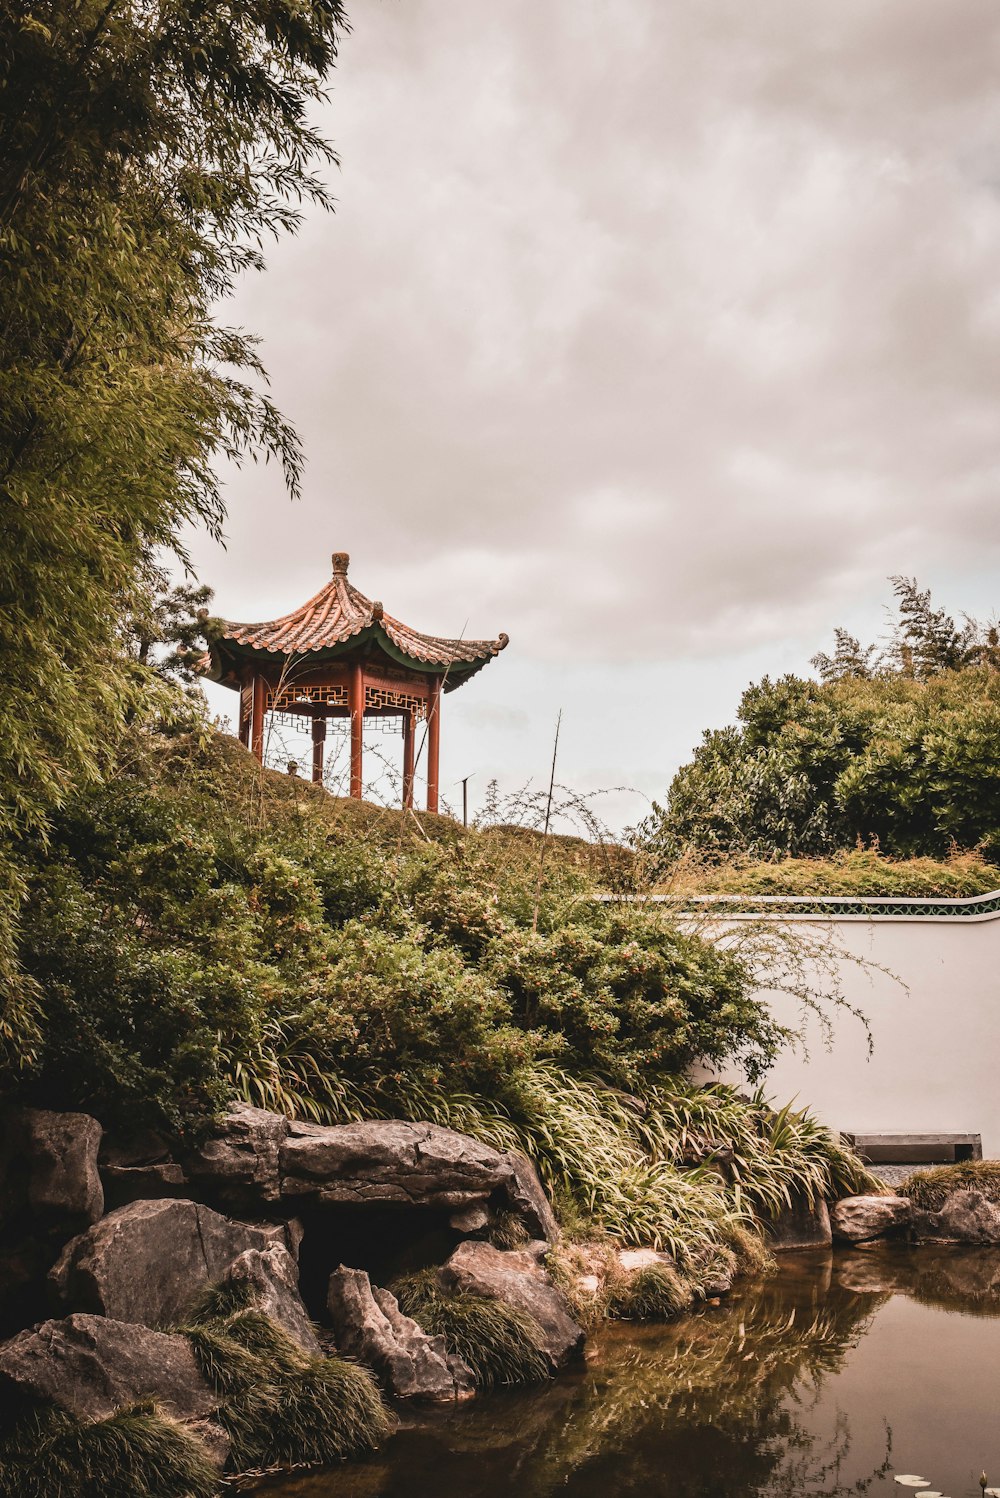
379 698
287 699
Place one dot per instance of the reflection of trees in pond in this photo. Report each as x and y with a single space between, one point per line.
716 1404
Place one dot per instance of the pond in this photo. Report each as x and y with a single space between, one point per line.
828 1379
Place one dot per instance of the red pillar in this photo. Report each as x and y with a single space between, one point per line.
408 726
356 702
433 744
319 737
257 717
246 708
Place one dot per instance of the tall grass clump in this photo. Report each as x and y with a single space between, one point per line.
928 1189
278 1406
654 1293
501 1344
136 1453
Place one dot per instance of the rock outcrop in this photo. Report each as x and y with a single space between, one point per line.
241 1162
50 1168
861 1219
803 1225
271 1283
92 1365
259 1161
369 1326
481 1269
963 1217
528 1199
404 1163
146 1262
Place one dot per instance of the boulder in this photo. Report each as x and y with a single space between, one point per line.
92 1365
272 1282
527 1198
241 1161
57 1152
860 1219
803 1225
147 1261
410 1364
481 1269
964 1217
256 1159
412 1164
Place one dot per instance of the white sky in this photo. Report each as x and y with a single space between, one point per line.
655 334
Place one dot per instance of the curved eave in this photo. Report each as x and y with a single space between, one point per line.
226 654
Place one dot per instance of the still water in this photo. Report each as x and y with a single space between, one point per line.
823 1381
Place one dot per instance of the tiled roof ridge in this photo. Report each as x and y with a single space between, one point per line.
337 613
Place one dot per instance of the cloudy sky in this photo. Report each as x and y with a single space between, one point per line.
653 332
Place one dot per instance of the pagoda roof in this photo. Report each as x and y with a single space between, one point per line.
337 621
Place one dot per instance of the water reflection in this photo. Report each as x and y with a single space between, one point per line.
795 1387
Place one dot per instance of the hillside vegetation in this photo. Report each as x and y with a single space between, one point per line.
852 874
198 930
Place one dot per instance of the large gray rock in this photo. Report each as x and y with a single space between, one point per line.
861 1219
413 1164
369 1326
92 1365
272 1284
527 1198
241 1160
146 1262
57 1152
802 1225
964 1217
481 1269
256 1159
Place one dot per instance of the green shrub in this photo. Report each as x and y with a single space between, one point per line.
136 1453
501 1344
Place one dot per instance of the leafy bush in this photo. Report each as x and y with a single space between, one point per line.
813 767
501 1344
198 927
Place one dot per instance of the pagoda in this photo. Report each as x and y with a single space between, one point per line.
342 656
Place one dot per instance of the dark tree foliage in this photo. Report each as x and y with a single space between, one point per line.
899 748
146 153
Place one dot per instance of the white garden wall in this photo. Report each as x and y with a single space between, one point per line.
936 1061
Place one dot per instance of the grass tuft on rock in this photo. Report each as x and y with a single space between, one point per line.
136 1453
508 1231
278 1406
327 1410
500 1344
928 1189
655 1293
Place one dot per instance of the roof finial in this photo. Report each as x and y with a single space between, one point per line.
341 562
